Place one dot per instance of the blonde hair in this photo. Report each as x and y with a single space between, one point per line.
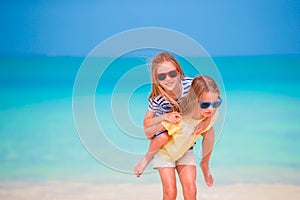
199 87
156 87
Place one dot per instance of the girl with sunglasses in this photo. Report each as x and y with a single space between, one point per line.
198 107
169 86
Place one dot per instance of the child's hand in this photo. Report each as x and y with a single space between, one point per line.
201 127
173 117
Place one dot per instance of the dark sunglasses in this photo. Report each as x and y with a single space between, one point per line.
163 76
205 105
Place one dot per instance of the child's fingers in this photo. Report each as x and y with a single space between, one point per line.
198 129
176 118
173 117
177 115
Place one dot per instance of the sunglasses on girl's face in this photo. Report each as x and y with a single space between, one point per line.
205 105
163 76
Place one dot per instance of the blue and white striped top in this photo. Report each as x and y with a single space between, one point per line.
159 105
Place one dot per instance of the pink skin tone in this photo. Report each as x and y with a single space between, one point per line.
152 124
208 97
208 137
186 173
173 87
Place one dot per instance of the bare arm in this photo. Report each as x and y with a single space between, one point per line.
202 126
153 125
207 123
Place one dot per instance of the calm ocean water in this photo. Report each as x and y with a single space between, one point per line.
259 141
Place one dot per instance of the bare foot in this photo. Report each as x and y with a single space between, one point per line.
207 175
142 164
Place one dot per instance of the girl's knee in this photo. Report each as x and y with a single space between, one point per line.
190 190
163 138
170 193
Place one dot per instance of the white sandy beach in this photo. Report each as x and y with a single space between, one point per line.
60 190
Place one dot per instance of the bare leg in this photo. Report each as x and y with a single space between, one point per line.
141 165
207 147
168 180
187 176
155 144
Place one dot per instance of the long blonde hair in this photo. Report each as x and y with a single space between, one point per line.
156 87
199 87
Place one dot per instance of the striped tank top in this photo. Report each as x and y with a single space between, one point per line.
160 106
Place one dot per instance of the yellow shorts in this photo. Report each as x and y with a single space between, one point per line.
187 159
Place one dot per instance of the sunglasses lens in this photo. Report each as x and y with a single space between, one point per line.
217 104
204 105
161 76
173 73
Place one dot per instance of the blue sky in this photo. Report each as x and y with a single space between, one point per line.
222 27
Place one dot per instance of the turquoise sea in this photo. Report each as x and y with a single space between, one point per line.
259 139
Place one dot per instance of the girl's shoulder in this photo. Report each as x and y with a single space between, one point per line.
186 83
156 99
187 79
